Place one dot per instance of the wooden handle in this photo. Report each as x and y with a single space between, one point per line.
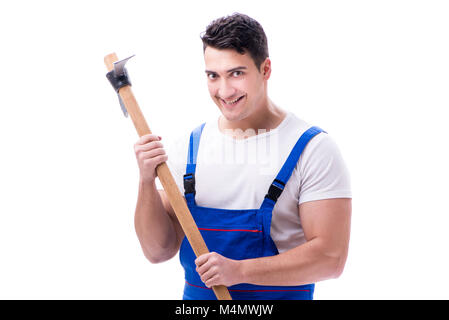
163 172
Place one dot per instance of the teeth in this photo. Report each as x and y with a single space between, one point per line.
233 101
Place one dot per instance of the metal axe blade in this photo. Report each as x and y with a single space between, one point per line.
119 66
122 106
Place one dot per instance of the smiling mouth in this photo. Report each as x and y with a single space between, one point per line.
232 102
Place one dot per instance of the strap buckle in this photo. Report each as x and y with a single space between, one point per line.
275 190
189 183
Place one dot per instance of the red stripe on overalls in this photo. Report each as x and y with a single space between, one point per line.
242 230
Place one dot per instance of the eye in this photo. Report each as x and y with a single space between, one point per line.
211 76
237 73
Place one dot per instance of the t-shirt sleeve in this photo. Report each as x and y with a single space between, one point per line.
322 171
176 150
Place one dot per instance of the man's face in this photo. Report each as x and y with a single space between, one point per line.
235 84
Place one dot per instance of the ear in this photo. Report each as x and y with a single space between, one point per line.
265 69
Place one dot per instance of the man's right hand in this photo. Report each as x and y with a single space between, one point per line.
149 153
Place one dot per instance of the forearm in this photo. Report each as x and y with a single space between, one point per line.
153 225
307 263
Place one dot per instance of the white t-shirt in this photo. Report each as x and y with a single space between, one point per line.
236 173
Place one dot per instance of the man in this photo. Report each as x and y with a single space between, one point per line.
274 226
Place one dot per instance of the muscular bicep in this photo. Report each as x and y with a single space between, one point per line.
329 220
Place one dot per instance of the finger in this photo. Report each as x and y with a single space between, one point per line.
152 153
157 160
147 138
209 274
203 268
202 259
212 282
161 159
149 146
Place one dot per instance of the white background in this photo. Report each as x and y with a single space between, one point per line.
374 74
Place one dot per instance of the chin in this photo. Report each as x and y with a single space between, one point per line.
233 115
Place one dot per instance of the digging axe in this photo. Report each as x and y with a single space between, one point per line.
118 76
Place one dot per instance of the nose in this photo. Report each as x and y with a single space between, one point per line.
226 90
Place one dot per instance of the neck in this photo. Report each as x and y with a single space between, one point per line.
267 117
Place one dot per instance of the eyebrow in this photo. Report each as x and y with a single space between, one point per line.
230 70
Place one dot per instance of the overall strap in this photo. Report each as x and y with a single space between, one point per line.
278 184
189 177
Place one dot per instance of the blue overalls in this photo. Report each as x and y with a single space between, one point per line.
238 234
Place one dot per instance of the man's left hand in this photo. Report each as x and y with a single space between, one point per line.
214 270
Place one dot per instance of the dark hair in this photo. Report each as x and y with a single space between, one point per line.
238 32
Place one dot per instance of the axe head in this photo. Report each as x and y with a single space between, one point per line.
118 77
119 66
